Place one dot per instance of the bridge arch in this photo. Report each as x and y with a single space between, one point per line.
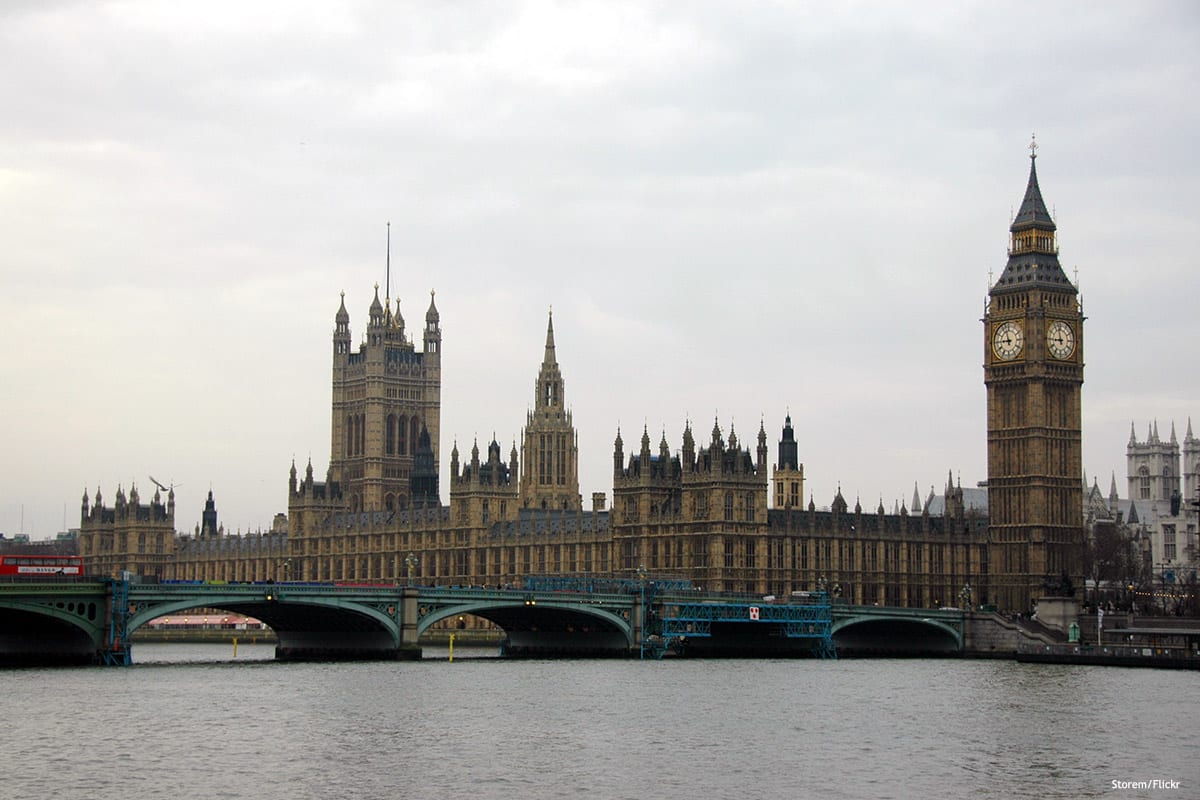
500 611
267 610
58 631
878 634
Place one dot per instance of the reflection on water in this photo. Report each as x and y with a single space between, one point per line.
187 721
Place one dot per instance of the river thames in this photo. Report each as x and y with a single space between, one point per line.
189 721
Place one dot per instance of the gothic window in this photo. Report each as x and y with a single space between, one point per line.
750 510
389 438
402 437
1144 481
702 506
1166 489
1168 542
729 506
414 433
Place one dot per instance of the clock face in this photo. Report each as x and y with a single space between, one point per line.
1060 339
1007 341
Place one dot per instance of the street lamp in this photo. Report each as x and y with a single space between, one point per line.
410 563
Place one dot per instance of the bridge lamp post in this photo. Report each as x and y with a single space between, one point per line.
964 596
410 563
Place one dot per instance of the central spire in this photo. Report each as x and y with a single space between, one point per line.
550 359
550 453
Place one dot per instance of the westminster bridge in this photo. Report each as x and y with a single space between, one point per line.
90 621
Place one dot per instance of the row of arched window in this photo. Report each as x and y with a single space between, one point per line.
400 434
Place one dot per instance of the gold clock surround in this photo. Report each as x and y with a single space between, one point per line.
1008 340
1060 339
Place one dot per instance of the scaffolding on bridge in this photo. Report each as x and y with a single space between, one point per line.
807 616
115 652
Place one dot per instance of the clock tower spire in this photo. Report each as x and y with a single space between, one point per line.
1033 371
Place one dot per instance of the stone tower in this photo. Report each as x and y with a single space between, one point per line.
1191 466
1152 466
550 448
384 396
788 475
1033 371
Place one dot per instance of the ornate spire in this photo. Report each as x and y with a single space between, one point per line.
376 310
1033 244
1033 212
398 318
550 359
431 314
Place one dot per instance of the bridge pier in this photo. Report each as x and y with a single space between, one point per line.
409 633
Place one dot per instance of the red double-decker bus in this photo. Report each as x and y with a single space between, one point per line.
41 566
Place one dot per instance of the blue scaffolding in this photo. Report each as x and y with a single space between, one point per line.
116 647
808 616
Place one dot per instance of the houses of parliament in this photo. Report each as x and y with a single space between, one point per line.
727 514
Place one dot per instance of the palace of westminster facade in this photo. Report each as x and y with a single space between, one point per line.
710 512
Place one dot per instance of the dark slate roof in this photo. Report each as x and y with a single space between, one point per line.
1029 269
1040 268
1033 213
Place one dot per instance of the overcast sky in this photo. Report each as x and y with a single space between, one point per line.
734 209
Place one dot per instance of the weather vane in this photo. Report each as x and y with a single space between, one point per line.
1033 146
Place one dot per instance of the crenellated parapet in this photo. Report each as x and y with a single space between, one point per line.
484 491
129 535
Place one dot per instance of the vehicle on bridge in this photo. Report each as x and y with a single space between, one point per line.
40 567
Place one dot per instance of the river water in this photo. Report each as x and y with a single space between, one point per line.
189 721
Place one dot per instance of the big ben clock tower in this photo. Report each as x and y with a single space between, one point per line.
1033 370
